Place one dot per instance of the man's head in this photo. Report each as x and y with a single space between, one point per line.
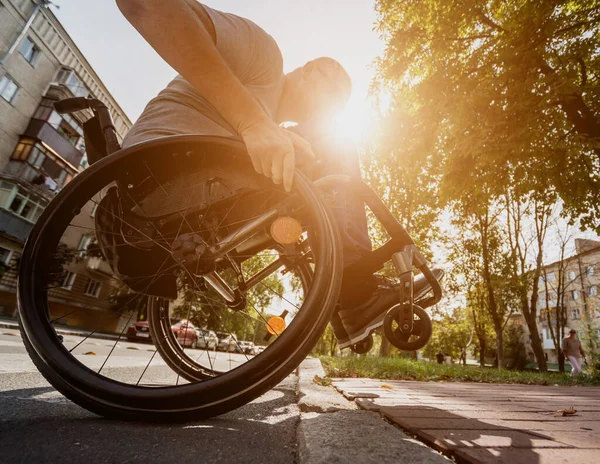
572 332
318 89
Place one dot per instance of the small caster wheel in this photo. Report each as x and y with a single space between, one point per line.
364 346
421 332
61 338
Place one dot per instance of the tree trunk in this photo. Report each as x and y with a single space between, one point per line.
499 345
561 361
384 349
537 346
482 347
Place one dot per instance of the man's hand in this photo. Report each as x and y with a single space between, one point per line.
274 150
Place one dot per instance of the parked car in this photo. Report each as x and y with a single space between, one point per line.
248 347
185 332
259 349
207 339
227 342
139 331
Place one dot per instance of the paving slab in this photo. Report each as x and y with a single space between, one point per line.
477 423
486 438
525 456
577 438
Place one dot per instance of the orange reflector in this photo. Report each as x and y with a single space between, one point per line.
286 230
275 325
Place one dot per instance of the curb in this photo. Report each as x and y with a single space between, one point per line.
317 398
334 430
101 336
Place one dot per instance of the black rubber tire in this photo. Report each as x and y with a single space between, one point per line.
364 346
184 402
398 339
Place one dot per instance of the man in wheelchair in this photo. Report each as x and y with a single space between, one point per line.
231 83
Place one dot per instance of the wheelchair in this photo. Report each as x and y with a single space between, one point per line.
184 228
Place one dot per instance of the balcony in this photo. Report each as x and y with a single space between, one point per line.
25 174
44 132
14 226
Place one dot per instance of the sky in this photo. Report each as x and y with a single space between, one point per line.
304 30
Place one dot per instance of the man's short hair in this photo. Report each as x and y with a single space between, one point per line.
339 74
572 331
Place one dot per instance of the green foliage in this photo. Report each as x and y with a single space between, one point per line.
503 93
591 342
451 333
425 371
514 348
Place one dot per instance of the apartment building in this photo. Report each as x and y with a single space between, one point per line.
569 287
41 151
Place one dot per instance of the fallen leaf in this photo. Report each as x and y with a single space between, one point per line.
91 353
323 381
566 412
388 387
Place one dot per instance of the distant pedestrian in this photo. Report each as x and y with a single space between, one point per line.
440 358
573 351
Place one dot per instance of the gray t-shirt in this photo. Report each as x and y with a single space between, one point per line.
251 54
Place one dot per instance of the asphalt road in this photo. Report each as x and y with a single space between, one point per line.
37 424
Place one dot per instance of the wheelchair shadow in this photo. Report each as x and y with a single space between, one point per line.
40 425
462 438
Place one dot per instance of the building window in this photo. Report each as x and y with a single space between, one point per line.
8 89
84 243
589 271
592 291
575 314
71 80
571 276
36 157
550 277
22 203
92 288
68 281
574 295
5 256
30 51
23 149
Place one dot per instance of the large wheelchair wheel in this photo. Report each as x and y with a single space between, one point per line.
196 237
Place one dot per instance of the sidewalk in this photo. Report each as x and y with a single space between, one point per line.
9 323
488 423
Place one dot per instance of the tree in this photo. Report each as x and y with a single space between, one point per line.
452 332
499 84
479 256
537 209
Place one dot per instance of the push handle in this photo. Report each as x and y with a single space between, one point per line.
71 105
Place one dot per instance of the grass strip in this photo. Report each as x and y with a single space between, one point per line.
426 371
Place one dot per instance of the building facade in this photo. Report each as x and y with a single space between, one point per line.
569 289
41 151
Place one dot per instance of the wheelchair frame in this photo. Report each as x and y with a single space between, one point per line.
101 136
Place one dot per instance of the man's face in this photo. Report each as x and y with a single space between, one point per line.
317 89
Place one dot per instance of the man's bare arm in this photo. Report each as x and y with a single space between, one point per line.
173 29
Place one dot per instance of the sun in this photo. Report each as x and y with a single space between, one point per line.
359 119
